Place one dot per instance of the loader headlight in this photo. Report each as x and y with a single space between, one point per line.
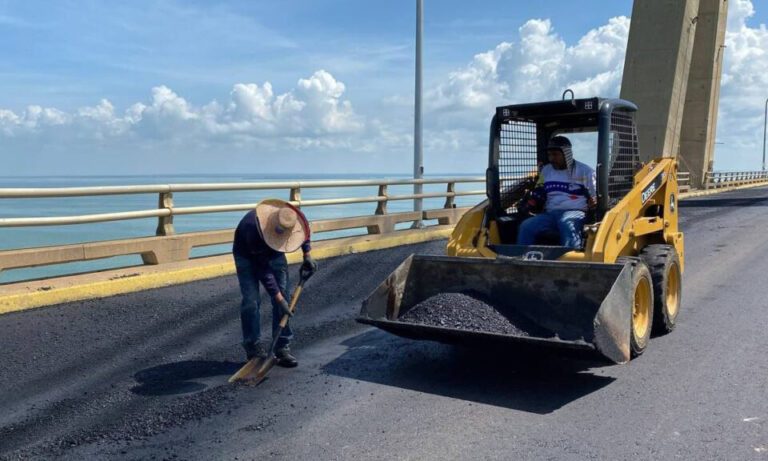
672 203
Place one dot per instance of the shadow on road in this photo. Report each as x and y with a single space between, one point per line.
537 382
724 202
180 377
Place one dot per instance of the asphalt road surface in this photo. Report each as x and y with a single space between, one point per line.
143 375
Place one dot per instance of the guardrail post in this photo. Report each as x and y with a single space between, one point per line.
450 203
449 199
171 249
295 195
381 207
384 225
165 223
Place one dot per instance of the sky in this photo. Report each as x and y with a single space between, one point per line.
316 87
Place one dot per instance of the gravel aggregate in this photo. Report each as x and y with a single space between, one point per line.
461 311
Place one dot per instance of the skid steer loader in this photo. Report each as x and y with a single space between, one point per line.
603 299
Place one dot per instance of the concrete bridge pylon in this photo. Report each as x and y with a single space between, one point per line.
672 71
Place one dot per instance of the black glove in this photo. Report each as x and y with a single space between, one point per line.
523 208
285 307
536 199
309 265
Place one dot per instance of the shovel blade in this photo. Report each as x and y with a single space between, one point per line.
255 370
262 371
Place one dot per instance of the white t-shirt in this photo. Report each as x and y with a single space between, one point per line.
568 189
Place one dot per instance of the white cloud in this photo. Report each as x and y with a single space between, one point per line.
315 108
743 92
738 13
536 64
539 66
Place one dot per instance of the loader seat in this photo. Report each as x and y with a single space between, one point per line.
553 238
549 239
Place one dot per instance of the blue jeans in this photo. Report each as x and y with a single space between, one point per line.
567 224
249 308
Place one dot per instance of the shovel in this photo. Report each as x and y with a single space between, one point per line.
256 369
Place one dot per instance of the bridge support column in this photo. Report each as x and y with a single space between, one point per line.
656 69
697 139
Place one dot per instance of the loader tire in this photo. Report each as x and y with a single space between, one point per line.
664 264
642 305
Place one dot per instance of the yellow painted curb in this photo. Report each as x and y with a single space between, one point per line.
100 289
22 301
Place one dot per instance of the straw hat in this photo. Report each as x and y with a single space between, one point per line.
281 227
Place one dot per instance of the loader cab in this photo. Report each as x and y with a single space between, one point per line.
517 151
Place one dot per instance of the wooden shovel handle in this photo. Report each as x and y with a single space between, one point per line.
292 307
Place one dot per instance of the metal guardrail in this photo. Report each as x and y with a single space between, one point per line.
218 187
719 180
683 181
168 246
722 179
166 208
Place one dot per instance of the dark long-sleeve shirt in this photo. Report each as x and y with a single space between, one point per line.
250 244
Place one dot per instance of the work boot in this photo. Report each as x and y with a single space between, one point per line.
285 359
255 351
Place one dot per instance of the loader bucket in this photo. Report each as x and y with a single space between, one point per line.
584 307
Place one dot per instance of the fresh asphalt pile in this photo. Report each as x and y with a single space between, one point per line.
463 312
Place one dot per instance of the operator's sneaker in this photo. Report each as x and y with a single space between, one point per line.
285 359
255 351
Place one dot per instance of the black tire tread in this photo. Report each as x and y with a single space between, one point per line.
658 258
635 349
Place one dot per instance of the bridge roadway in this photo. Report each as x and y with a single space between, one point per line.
141 376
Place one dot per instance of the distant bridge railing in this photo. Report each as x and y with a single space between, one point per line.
722 179
683 181
719 180
168 246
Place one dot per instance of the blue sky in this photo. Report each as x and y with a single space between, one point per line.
168 87
72 53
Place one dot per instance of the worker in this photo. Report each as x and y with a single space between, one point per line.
262 239
565 190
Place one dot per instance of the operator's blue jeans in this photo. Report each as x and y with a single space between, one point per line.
567 224
249 308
